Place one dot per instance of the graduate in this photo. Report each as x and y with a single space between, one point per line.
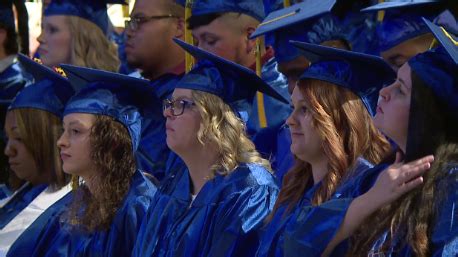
102 125
33 125
333 139
418 112
224 28
216 206
75 32
402 33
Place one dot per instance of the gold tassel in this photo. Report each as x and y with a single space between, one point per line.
189 60
286 3
75 182
259 96
380 14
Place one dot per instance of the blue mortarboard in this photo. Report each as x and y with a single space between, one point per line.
402 20
50 91
446 39
361 73
253 8
92 10
225 79
6 15
124 98
309 21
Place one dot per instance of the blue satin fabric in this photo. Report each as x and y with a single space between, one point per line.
59 239
12 80
19 202
152 152
444 237
306 230
276 111
223 220
253 8
274 143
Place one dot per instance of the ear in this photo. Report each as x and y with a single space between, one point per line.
250 43
180 28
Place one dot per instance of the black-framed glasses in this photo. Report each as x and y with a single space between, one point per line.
176 106
134 22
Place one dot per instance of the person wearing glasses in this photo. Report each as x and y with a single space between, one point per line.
74 32
217 204
149 47
101 132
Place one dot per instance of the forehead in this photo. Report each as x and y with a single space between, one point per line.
297 96
149 7
79 118
182 93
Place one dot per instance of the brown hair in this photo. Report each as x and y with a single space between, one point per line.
40 131
90 47
112 155
411 217
220 126
346 129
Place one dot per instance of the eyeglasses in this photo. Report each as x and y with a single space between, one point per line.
135 22
176 106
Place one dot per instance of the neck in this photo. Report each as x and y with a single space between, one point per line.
3 54
91 181
199 163
319 169
174 58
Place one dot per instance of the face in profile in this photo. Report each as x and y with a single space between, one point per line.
74 144
183 122
20 160
55 41
306 143
393 107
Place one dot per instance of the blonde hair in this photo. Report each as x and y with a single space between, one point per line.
40 131
90 47
220 126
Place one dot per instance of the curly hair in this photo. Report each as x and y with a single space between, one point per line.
40 131
347 132
90 47
221 126
413 215
111 153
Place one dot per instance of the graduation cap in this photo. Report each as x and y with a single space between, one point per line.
402 20
6 15
94 11
446 39
126 99
361 73
309 21
253 8
225 79
50 91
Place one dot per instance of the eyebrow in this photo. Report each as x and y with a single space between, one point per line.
403 83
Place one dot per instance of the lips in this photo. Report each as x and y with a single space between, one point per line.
42 51
379 109
64 156
168 128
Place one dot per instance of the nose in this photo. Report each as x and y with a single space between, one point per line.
9 150
40 38
384 93
290 121
62 142
167 112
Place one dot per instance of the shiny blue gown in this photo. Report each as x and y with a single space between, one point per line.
306 230
223 220
12 80
49 236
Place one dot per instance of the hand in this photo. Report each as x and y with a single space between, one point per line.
398 179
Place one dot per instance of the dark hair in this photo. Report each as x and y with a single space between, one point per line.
202 20
11 43
115 165
432 130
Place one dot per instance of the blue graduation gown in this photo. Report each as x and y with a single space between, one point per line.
152 153
306 230
59 239
223 220
21 200
12 80
276 111
274 144
444 236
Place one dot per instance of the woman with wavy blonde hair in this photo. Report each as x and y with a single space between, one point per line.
74 32
218 203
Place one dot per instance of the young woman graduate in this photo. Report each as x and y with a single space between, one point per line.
333 140
102 124
33 126
216 205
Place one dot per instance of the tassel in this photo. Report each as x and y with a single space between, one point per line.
259 96
75 182
189 60
286 3
380 14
